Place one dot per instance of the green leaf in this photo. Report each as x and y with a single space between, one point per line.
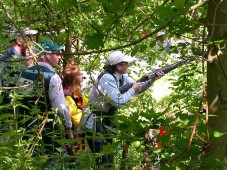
179 7
183 123
5 106
178 168
179 4
218 134
165 12
5 116
113 6
109 148
96 62
136 144
134 50
152 44
142 48
94 41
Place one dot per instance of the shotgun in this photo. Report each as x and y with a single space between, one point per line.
153 75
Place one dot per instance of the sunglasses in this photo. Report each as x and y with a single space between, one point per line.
124 63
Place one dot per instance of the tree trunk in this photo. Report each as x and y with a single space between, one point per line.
124 155
217 82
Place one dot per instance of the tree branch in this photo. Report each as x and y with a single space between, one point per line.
200 3
123 46
147 18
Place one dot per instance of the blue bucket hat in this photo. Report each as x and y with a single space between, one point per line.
48 45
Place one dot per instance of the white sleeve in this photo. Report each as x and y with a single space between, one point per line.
110 88
57 99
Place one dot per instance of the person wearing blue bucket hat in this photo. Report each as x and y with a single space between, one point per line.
51 96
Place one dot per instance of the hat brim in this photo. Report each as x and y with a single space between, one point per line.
128 59
49 46
30 32
57 48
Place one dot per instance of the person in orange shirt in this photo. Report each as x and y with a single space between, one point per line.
71 81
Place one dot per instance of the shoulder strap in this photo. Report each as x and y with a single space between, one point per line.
121 82
112 109
100 76
32 74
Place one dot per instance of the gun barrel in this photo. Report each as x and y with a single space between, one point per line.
165 70
153 74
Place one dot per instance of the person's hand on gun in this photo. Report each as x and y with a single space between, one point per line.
137 85
159 73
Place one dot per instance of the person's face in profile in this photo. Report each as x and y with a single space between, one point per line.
122 67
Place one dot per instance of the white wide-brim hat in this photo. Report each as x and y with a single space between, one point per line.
117 57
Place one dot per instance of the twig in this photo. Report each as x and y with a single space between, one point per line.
195 125
147 18
177 157
201 138
200 3
16 87
38 136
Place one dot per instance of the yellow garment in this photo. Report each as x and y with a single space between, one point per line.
74 111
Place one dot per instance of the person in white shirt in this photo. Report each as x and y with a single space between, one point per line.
106 98
46 93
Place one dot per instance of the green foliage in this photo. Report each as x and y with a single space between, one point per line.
93 28
94 41
219 134
176 118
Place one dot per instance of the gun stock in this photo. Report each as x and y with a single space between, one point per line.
153 74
